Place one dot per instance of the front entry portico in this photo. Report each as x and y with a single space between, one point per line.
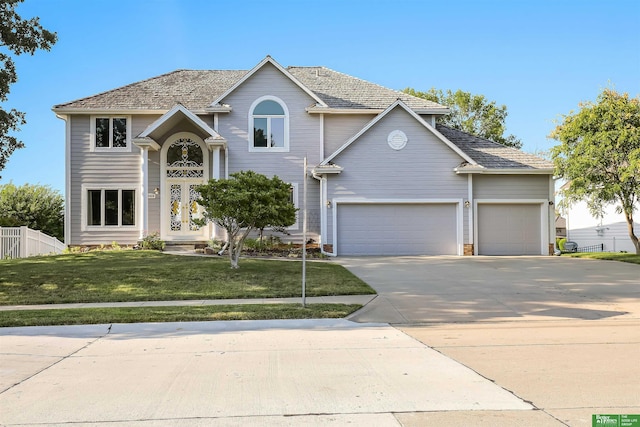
184 165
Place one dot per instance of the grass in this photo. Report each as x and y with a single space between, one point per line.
84 316
614 256
119 276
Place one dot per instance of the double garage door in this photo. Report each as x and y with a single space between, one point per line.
397 229
509 229
431 229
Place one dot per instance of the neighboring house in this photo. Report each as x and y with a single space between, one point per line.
561 226
610 230
384 179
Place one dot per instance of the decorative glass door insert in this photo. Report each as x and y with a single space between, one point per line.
184 172
183 209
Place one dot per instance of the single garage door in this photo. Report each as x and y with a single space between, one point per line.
397 229
509 229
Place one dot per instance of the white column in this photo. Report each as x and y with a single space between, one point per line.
144 192
215 161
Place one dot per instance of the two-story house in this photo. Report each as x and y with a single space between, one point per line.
384 178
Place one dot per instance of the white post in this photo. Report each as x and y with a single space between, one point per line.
144 196
304 234
23 241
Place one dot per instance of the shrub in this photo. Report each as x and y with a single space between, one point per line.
561 243
152 241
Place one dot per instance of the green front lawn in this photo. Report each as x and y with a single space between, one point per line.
114 276
614 256
86 316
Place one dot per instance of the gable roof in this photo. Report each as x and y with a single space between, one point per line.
490 155
197 89
179 111
398 104
267 60
339 90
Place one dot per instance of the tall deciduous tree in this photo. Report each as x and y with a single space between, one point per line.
599 155
246 201
473 114
17 36
35 206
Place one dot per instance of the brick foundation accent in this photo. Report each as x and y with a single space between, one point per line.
468 249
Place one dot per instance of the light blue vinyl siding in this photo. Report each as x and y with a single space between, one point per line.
338 128
96 169
422 170
511 186
304 137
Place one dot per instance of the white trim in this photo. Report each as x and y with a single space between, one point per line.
251 72
144 192
420 120
544 219
251 116
321 136
67 179
215 158
331 110
471 208
323 212
164 223
360 201
110 149
101 187
188 114
504 171
296 225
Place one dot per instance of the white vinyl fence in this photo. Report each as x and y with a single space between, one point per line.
22 242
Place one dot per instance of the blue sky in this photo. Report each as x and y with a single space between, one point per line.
539 58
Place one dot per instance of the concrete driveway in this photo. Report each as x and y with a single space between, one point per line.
560 333
414 290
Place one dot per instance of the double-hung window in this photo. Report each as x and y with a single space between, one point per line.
107 207
269 125
110 134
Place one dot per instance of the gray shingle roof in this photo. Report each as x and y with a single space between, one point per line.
491 154
196 89
339 90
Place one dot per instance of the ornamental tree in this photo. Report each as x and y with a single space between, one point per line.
599 155
470 113
35 206
246 201
18 36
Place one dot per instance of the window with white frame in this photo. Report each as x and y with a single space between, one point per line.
110 133
293 197
108 207
269 125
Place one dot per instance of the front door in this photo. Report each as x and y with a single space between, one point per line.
183 209
184 164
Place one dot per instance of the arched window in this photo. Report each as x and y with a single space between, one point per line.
269 121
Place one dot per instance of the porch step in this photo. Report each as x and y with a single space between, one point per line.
184 246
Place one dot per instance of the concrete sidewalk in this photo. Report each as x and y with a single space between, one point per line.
269 373
336 299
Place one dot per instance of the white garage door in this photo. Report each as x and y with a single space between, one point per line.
509 229
397 229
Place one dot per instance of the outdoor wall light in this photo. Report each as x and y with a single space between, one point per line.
550 202
467 203
329 203
156 191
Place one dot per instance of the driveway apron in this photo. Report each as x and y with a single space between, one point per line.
415 290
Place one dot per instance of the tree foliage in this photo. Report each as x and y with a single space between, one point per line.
246 201
35 206
17 36
599 155
473 114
